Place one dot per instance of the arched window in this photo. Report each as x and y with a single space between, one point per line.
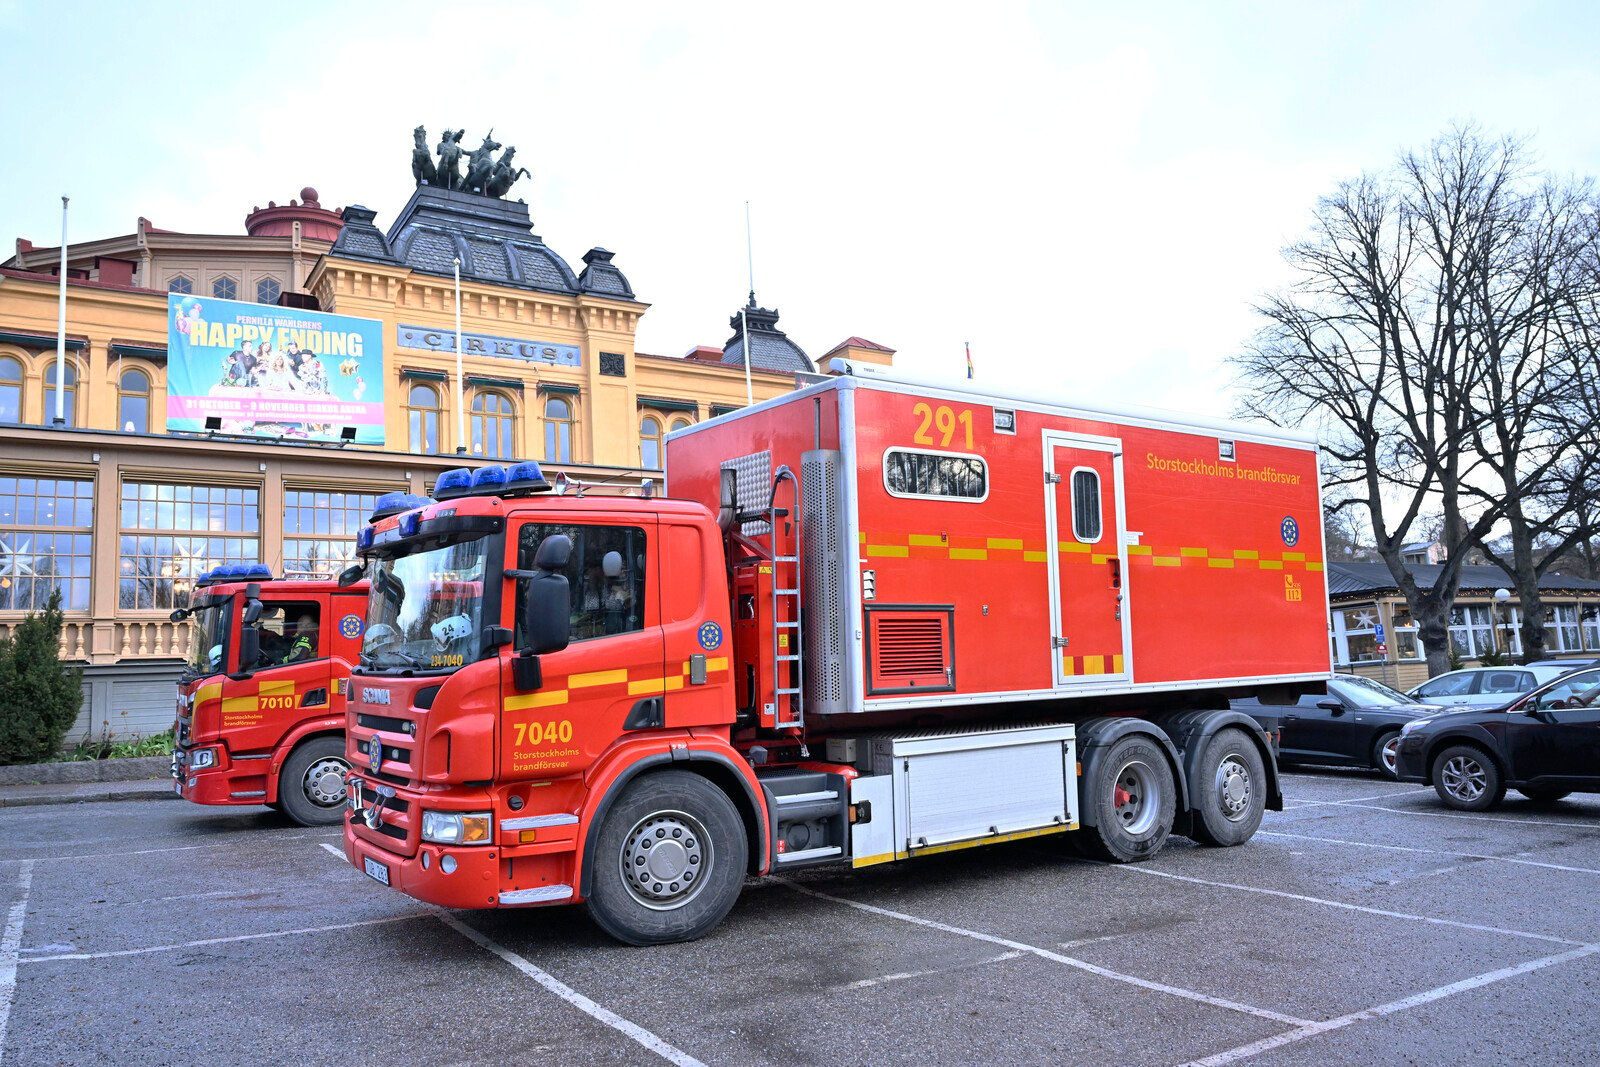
10 389
682 422
650 443
268 290
69 394
225 288
557 430
133 403
492 425
422 418
180 284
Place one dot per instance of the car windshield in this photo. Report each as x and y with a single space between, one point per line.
424 608
210 635
1364 692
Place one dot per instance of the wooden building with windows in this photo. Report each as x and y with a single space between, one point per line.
1373 633
120 514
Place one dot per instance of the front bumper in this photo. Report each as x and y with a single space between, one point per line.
483 876
1411 764
230 780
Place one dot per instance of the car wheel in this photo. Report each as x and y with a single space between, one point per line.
1467 779
1132 799
1545 796
1386 754
1230 792
311 785
669 862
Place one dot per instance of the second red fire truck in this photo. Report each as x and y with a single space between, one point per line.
261 704
883 620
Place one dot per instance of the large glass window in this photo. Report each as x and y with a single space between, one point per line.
493 425
1591 627
289 633
1355 633
1562 629
10 389
425 609
319 530
1403 635
933 474
133 402
1471 630
69 393
422 417
650 442
171 533
606 576
557 430
45 541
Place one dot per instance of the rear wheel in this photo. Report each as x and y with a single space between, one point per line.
669 861
1545 796
311 786
1386 754
1230 792
1131 800
1467 779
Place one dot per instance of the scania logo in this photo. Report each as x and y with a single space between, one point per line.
375 696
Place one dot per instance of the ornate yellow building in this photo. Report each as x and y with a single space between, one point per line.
121 514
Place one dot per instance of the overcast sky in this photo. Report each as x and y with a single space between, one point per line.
1092 194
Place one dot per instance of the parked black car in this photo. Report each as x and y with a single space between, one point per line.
1544 745
1355 724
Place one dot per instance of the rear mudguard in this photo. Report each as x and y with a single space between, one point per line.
1096 736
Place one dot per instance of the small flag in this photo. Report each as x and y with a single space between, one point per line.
969 357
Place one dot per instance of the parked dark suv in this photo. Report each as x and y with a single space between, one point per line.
1545 745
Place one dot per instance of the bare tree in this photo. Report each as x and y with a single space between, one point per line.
1410 286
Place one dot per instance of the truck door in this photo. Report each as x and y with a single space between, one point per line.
1088 565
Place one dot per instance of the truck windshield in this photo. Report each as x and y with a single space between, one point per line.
424 609
211 625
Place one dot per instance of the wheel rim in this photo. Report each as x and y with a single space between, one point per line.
324 782
1463 778
1234 787
665 859
1389 753
1133 799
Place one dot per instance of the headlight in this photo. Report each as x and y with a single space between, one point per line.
1414 724
458 828
201 758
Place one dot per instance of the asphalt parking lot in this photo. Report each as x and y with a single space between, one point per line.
1366 923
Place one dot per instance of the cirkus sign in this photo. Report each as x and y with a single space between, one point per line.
434 339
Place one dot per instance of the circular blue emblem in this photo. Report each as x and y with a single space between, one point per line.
710 636
1289 530
351 626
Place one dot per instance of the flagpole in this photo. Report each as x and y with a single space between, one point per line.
461 415
750 260
61 327
968 346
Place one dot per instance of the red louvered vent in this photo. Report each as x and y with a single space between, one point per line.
912 650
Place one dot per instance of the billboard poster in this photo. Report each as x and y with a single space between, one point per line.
273 371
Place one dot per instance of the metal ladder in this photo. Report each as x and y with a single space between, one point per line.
786 593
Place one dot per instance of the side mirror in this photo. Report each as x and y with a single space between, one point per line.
179 615
252 613
351 575
249 650
547 613
1335 706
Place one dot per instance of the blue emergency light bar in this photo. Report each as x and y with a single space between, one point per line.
235 572
519 479
394 503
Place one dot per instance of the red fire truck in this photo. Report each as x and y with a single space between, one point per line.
261 705
882 620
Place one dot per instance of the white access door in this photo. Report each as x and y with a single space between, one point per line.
1088 559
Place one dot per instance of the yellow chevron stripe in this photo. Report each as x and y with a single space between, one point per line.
926 540
543 699
897 551
969 553
277 689
249 703
1005 544
584 681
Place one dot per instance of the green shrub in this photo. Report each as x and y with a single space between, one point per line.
39 697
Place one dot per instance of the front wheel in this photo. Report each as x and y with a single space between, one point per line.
1230 792
1467 779
669 861
1386 754
311 785
1132 799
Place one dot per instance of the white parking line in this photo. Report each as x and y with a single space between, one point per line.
1515 820
638 1033
1313 1029
903 975
1306 802
10 944
221 940
1141 869
1430 852
1043 953
231 843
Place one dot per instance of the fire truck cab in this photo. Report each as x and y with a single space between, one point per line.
261 703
